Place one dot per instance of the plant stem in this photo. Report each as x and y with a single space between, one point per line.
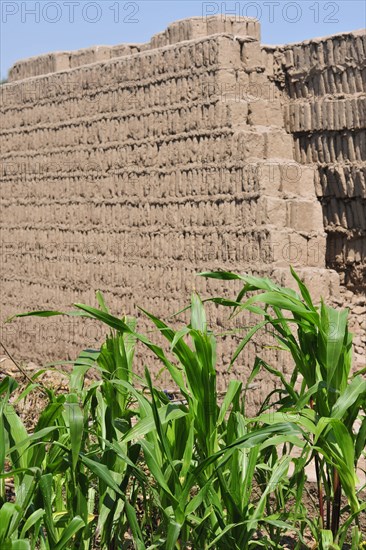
336 502
24 373
320 491
328 500
319 481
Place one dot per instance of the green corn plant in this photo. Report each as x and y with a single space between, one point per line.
82 481
14 532
106 408
208 428
31 513
205 439
330 398
111 413
203 457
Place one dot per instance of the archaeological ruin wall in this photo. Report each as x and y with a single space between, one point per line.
324 80
130 168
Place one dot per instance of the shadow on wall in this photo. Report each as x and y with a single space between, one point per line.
326 113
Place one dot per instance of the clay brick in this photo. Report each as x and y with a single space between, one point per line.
272 211
251 55
237 113
297 249
305 215
228 53
264 112
278 144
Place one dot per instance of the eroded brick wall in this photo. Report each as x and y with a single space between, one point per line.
325 82
129 169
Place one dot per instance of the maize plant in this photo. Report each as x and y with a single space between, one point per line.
331 398
116 462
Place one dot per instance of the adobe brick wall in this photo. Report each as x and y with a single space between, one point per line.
324 80
131 168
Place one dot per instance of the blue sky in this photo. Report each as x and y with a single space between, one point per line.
31 28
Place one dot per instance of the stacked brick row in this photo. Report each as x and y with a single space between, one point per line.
325 82
179 31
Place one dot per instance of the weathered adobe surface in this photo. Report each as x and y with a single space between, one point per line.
324 80
131 168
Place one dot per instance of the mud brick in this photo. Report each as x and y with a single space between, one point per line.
305 215
264 112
